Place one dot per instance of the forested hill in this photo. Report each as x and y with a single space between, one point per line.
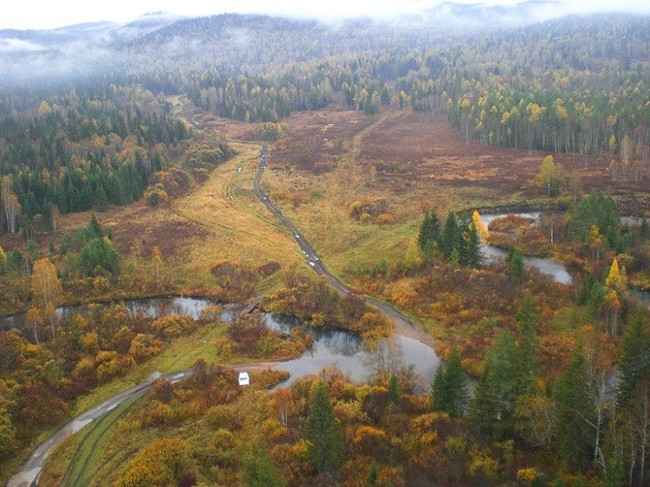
73 98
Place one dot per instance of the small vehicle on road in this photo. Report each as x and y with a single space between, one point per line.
244 379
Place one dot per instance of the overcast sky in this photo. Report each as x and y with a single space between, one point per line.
39 14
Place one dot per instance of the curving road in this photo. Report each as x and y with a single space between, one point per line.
28 474
402 324
30 471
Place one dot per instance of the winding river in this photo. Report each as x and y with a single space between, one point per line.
491 254
556 270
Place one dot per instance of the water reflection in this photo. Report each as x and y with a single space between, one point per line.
147 308
488 218
359 361
157 307
493 255
556 270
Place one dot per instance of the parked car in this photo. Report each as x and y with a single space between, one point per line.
244 379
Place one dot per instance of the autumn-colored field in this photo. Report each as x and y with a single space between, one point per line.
218 220
414 161
329 160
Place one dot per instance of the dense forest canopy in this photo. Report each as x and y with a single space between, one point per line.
576 84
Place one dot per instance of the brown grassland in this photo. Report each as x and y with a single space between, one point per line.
330 160
414 162
219 220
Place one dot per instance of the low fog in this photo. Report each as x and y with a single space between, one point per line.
161 39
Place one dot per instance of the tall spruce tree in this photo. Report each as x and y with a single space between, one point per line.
429 235
515 262
573 412
450 238
471 246
323 434
635 357
449 387
504 373
527 366
483 408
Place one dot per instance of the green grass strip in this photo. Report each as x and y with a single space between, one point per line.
84 461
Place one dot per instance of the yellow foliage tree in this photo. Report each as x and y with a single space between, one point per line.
33 318
480 228
162 462
549 177
45 283
413 258
616 277
46 288
596 241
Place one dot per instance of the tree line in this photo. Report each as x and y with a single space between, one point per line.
74 154
569 86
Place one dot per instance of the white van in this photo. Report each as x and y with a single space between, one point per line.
244 379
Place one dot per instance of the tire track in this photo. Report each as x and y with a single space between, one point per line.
81 450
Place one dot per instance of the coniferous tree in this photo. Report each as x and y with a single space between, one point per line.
449 238
573 411
323 434
503 376
471 246
483 408
429 230
449 387
439 397
94 229
635 358
259 470
515 263
373 475
101 199
527 347
424 234
99 254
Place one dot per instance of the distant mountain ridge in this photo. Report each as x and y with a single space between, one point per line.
159 42
158 25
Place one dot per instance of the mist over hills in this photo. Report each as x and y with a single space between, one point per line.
158 41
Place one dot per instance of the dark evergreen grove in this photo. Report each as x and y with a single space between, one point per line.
78 155
458 241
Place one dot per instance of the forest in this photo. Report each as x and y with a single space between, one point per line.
388 145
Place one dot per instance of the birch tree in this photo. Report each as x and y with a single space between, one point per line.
10 204
46 288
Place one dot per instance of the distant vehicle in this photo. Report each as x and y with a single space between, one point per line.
311 263
297 236
244 379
